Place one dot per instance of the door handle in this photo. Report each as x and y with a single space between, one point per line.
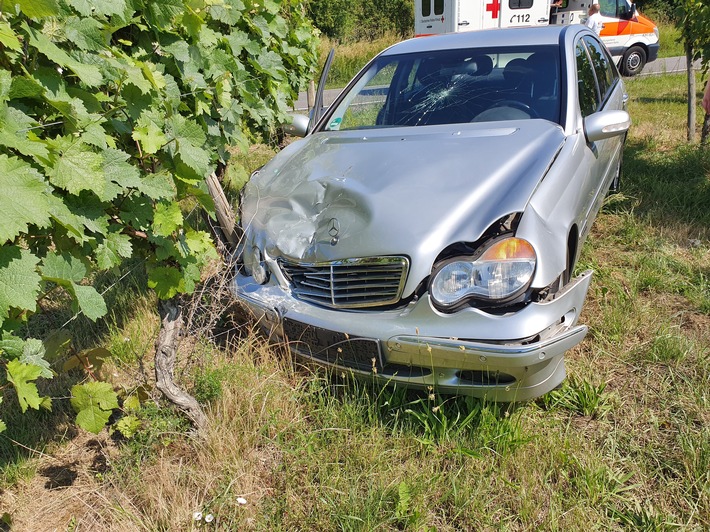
464 23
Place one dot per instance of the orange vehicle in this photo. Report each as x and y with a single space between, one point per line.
631 38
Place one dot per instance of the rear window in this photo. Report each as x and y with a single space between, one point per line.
451 87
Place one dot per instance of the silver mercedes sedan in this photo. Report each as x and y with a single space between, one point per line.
425 230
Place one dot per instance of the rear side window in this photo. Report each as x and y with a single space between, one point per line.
586 82
520 4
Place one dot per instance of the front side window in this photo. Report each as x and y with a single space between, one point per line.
453 87
603 66
615 8
586 82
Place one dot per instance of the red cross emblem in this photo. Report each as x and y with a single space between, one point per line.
494 8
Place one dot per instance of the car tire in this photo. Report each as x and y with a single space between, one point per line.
633 61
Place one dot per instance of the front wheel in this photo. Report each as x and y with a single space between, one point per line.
633 61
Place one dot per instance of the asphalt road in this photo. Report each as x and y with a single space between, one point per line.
665 65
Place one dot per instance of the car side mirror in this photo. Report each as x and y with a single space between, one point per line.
298 126
606 124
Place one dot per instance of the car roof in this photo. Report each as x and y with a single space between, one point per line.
497 37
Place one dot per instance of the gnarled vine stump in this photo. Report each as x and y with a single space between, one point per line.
165 354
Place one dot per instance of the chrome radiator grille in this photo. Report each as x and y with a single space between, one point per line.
349 283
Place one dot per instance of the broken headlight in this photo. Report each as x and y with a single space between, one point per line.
254 265
500 273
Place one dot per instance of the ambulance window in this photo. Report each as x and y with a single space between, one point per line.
623 10
426 8
520 4
438 7
602 66
586 82
608 8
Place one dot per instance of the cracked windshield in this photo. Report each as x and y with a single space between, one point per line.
453 88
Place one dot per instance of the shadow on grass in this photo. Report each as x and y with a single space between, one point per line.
31 432
671 187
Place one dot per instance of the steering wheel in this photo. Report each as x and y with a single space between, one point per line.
517 104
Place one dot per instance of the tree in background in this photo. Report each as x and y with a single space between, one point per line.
693 19
357 20
664 8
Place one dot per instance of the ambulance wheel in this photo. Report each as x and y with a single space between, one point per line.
633 61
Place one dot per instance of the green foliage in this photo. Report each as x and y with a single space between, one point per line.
93 402
208 385
357 20
693 19
112 112
128 426
22 375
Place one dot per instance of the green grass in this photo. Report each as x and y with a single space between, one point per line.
623 444
668 36
350 58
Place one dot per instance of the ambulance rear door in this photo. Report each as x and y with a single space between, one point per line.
432 17
525 12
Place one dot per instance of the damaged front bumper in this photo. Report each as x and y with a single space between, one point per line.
512 357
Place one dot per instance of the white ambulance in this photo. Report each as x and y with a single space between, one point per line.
630 37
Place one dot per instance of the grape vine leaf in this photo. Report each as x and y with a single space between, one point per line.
62 269
11 345
190 139
93 402
108 7
166 281
164 12
118 170
8 37
86 33
89 301
113 250
79 168
150 136
25 199
22 375
19 282
89 74
158 186
168 217
39 8
200 244
83 7
33 354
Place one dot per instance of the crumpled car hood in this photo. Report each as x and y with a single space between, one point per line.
396 191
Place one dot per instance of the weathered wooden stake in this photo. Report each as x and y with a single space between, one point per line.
225 213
